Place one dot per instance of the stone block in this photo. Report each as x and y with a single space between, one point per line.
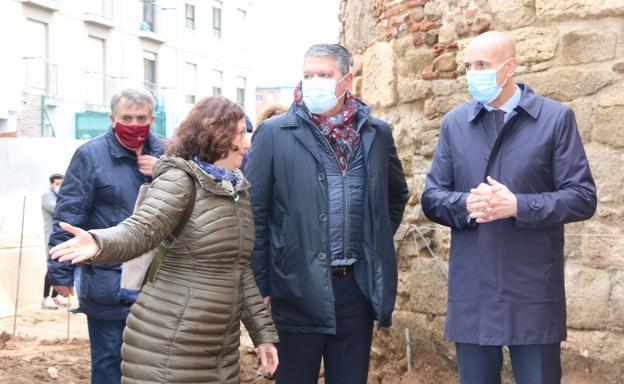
608 126
441 105
549 10
447 34
592 357
613 96
413 61
588 45
567 83
618 67
584 109
379 82
412 88
445 62
603 247
535 44
482 23
616 317
512 14
587 292
606 165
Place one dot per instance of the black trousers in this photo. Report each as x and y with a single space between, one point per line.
47 286
345 355
531 364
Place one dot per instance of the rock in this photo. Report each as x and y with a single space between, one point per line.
616 308
412 88
608 126
357 86
358 38
413 60
588 45
445 63
432 11
587 292
567 83
417 14
449 87
584 109
482 23
461 27
535 44
379 84
613 96
592 357
427 286
512 14
618 67
606 164
431 37
447 34
549 10
53 373
443 104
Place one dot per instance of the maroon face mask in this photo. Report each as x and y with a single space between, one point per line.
132 136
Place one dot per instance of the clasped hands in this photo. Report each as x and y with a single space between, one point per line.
490 202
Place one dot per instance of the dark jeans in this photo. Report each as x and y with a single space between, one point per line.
531 364
345 355
105 337
47 286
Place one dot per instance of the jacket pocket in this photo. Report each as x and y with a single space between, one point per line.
101 284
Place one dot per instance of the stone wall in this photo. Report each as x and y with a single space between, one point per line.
408 66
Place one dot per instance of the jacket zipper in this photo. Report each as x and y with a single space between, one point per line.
226 338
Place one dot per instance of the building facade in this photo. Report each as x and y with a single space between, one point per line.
64 59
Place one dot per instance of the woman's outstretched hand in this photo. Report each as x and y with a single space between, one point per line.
82 247
268 358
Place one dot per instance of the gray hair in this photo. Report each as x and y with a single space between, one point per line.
134 96
343 57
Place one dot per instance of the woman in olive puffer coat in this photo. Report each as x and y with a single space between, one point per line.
184 327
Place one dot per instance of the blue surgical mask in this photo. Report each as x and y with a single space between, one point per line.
319 95
482 84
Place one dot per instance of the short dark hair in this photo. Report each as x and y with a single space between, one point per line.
55 176
208 130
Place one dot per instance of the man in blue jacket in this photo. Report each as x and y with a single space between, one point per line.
508 172
328 193
99 190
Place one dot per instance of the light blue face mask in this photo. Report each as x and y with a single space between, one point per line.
482 84
319 94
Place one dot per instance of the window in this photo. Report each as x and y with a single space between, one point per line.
94 71
149 71
190 82
217 82
149 15
216 19
258 98
242 33
189 15
241 85
36 54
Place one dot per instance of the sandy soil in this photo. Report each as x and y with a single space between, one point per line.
41 349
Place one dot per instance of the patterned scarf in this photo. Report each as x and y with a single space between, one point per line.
228 180
339 129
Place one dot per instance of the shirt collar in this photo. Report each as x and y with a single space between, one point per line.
510 104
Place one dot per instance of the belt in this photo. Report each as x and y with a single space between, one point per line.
341 271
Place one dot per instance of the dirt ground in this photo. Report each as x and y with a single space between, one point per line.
41 350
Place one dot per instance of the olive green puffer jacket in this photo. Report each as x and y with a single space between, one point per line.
185 326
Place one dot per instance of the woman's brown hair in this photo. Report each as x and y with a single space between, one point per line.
207 131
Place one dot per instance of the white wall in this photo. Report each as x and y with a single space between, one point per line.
26 165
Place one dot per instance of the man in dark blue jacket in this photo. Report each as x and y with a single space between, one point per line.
328 193
100 187
508 172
